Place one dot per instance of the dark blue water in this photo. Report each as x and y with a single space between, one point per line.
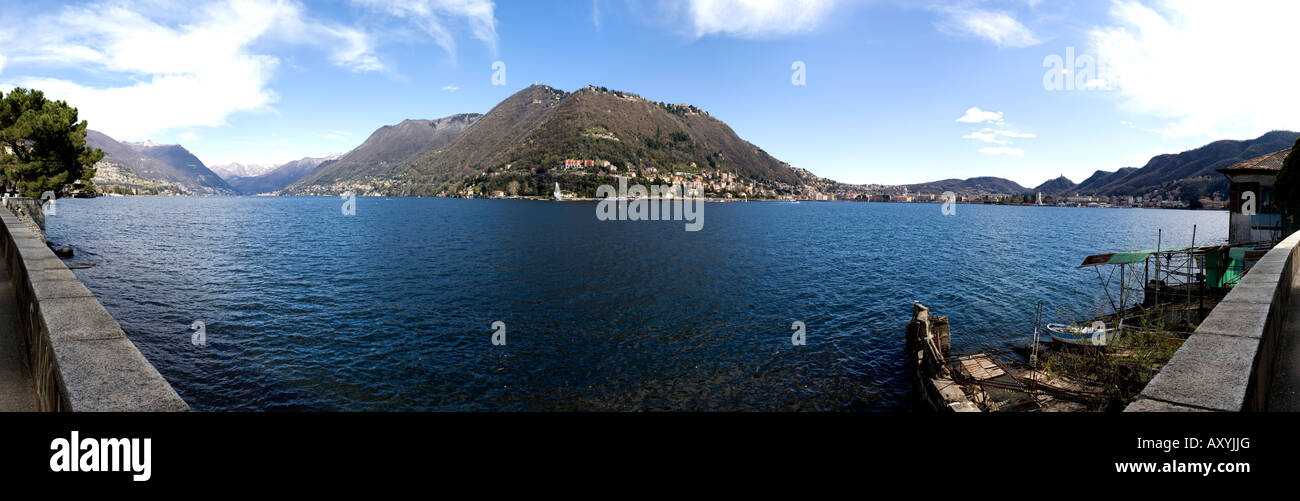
391 309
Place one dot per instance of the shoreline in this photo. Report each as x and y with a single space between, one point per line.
708 200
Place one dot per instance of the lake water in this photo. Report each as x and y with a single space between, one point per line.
392 308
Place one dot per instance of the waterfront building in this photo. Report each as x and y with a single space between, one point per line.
1253 214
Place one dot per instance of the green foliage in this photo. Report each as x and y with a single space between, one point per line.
1118 372
42 145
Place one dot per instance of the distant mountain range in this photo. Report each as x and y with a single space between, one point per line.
230 170
526 139
522 144
1184 175
153 168
386 155
170 169
1190 170
972 186
1057 187
279 176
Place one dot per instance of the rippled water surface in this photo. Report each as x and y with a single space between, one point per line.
390 309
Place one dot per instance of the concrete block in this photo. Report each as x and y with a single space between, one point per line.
79 318
37 261
1209 371
1278 254
23 248
18 229
32 244
1259 291
53 274
1262 272
1148 405
45 290
110 375
1236 319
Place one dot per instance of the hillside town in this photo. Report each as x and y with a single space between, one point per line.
720 185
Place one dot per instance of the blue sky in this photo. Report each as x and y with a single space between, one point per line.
896 91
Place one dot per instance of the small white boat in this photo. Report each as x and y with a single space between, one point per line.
1082 335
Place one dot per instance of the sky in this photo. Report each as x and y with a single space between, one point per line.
860 91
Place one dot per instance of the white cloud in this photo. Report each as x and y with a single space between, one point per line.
995 136
451 88
975 116
999 137
1002 150
755 18
987 137
335 135
188 137
2 63
432 16
349 47
182 67
1000 28
1016 135
1208 68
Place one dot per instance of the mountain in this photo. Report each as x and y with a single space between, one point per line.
1102 178
230 170
1060 186
160 168
1192 169
972 186
279 176
521 145
389 150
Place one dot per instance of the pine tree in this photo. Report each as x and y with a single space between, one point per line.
42 145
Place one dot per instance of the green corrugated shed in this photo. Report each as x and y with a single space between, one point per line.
1224 269
1129 257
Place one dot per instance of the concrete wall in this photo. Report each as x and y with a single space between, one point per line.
1227 364
29 212
79 357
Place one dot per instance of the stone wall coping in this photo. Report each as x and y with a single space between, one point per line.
1226 364
90 364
